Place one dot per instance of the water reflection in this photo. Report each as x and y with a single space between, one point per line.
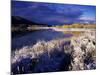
33 37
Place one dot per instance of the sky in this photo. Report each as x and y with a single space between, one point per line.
53 13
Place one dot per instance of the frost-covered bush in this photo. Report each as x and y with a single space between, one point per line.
84 52
78 53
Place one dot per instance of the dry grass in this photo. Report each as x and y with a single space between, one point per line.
81 48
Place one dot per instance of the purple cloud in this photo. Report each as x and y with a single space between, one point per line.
47 13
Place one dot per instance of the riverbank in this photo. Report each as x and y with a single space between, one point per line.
77 53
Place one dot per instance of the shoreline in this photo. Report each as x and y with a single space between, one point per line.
81 50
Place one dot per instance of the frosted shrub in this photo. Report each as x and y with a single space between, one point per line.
78 53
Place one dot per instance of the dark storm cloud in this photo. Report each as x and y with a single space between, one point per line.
46 13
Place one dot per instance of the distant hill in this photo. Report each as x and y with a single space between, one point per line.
15 20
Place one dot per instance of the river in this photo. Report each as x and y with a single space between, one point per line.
33 37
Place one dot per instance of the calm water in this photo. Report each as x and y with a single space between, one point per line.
32 38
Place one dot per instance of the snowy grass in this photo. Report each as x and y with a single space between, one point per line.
78 53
